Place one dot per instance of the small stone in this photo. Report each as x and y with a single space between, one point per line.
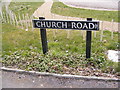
104 41
35 47
17 57
67 51
31 47
26 29
41 85
40 77
19 77
55 40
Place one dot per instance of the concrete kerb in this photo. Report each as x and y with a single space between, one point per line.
58 75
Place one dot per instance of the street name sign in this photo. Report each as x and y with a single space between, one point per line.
60 24
88 25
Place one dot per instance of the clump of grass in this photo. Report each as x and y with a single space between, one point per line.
62 9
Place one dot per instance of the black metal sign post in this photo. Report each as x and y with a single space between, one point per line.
88 25
43 38
88 41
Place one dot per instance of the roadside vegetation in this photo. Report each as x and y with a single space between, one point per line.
22 49
62 9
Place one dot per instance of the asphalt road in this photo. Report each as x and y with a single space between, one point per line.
17 80
94 4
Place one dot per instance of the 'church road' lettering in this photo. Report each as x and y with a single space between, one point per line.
78 25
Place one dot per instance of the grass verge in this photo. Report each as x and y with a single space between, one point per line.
22 49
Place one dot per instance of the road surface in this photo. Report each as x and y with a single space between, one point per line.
93 4
24 80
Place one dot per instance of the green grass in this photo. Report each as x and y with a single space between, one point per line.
22 47
61 9
18 39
